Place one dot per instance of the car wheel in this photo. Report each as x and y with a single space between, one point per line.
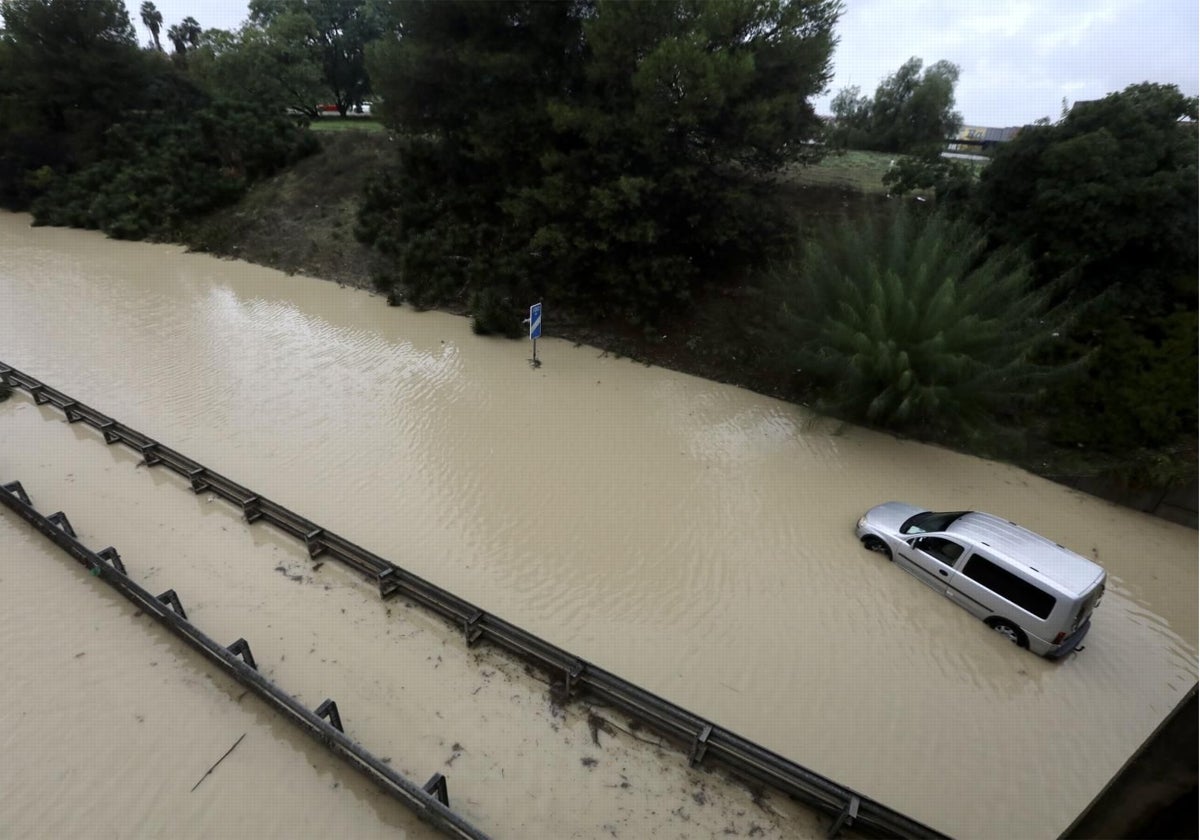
1009 631
876 544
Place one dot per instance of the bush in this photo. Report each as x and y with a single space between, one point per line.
901 323
1144 388
494 314
952 182
168 167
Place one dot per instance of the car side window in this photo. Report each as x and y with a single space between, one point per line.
1032 599
940 549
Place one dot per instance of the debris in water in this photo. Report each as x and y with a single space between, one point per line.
219 760
596 725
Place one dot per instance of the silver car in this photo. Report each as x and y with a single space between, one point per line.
1031 589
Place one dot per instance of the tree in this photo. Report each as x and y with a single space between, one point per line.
153 20
157 171
270 66
1107 198
952 182
337 33
1109 193
609 154
70 56
68 70
902 322
851 119
912 112
184 35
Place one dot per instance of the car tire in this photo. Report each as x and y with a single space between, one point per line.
1009 630
876 544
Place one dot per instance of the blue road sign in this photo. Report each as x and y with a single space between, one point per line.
535 321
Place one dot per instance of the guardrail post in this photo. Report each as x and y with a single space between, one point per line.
6 375
60 519
329 711
387 582
15 488
172 600
846 818
561 692
700 746
71 411
150 453
114 559
312 541
242 648
252 509
38 392
107 429
436 787
471 628
196 477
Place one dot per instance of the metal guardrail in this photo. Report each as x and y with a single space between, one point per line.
430 803
570 675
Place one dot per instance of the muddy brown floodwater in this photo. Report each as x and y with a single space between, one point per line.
692 537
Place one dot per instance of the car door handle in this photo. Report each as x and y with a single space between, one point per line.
943 573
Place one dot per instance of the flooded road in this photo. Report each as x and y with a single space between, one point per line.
692 537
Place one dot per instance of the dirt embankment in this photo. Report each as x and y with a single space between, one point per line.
302 220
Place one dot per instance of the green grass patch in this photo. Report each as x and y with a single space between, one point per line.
330 124
852 170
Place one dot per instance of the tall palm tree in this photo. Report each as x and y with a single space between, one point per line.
153 19
184 34
907 324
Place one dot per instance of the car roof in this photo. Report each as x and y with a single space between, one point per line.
1028 550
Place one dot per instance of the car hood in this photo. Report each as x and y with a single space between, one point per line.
890 516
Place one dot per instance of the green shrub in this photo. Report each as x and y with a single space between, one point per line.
168 167
901 323
1142 387
494 314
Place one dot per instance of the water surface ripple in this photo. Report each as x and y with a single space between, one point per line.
693 537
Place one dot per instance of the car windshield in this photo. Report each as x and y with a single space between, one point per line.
929 522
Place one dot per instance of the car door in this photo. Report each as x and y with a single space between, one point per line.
932 559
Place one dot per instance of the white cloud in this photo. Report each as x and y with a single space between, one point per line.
1019 58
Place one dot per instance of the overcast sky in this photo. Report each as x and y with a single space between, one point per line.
1019 58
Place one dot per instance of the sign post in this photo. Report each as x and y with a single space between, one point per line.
535 330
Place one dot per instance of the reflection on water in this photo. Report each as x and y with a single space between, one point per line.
693 537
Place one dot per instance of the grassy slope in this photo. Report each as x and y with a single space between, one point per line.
856 171
327 125
302 220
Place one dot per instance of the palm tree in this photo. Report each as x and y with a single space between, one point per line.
153 19
905 323
186 33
